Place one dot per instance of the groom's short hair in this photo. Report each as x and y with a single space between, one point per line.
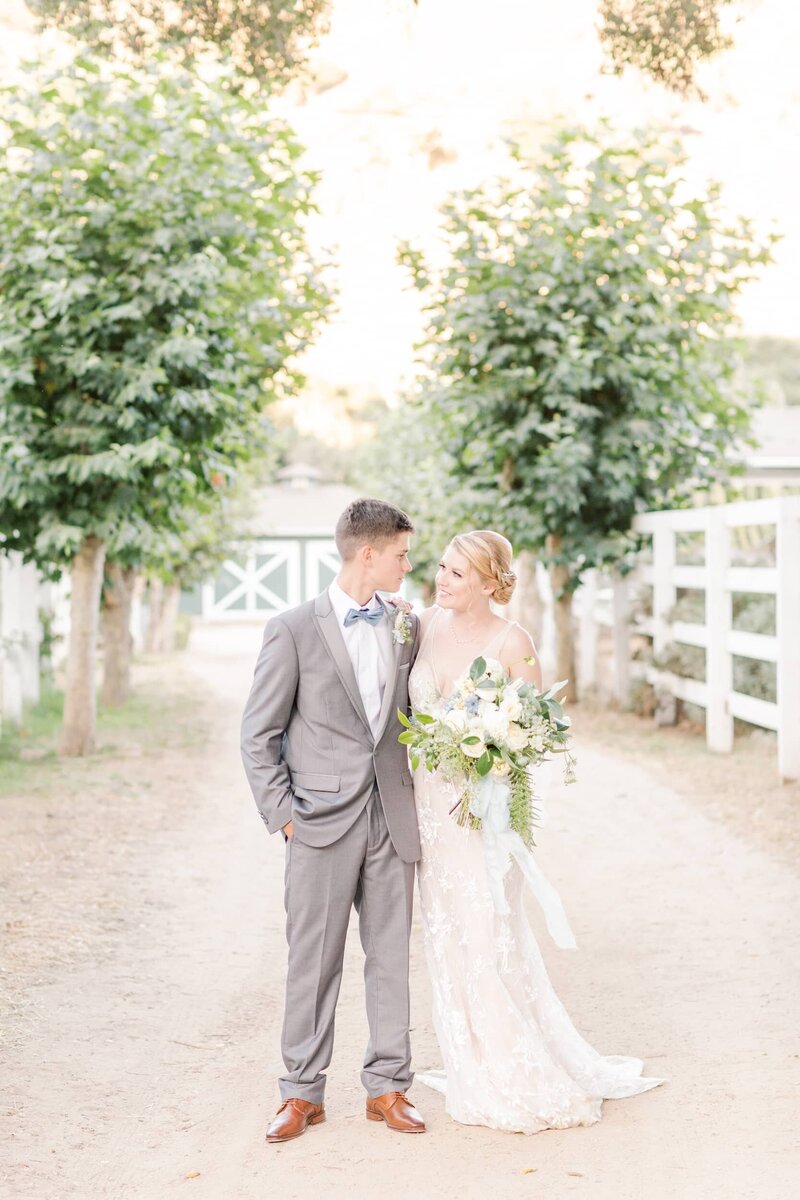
369 522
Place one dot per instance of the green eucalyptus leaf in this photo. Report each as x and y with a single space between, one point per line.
477 669
483 765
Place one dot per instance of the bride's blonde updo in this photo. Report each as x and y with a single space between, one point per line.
490 555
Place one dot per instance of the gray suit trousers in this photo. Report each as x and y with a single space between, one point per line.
323 883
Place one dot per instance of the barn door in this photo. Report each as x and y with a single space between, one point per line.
264 580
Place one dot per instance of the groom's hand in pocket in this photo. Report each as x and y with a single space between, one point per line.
288 831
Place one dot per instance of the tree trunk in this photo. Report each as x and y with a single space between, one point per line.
80 701
169 618
155 599
115 618
562 615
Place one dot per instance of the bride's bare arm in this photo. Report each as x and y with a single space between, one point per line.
518 652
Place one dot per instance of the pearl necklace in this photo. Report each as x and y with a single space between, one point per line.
461 641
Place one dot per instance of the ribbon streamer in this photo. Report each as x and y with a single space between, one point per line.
490 802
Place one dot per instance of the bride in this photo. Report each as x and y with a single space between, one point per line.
512 1058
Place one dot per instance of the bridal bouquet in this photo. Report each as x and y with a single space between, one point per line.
492 730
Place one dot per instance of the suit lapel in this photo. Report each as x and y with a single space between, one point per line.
328 626
392 666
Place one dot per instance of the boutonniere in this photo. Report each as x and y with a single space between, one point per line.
401 626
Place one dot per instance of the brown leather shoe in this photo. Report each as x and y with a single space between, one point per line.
397 1111
292 1119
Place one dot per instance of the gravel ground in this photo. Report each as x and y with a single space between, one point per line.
143 965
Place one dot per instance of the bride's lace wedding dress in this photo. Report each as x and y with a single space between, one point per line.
512 1058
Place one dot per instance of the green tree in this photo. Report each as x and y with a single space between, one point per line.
169 560
665 39
773 364
154 284
182 561
579 348
176 557
407 462
266 40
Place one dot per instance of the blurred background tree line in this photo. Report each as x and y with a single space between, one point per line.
156 289
155 285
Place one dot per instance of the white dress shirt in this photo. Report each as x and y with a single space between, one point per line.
368 646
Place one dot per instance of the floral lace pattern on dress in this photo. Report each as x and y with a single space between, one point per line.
512 1058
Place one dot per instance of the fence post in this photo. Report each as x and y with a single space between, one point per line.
31 634
621 639
586 597
208 595
663 585
10 638
788 635
719 661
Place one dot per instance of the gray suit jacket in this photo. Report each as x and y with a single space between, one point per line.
307 745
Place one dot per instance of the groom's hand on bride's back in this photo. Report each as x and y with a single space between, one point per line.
288 831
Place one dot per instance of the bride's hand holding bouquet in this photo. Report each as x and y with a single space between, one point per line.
492 728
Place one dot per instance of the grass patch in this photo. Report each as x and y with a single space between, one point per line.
40 720
155 718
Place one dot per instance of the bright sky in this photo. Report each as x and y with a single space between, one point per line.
430 92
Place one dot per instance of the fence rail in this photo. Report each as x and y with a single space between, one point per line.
720 580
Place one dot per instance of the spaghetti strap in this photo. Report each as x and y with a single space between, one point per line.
503 638
431 654
426 637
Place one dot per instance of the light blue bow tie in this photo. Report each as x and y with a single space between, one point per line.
370 615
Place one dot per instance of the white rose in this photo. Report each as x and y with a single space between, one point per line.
516 737
456 720
510 703
464 686
474 749
495 724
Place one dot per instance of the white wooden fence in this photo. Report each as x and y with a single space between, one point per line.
19 636
599 602
610 605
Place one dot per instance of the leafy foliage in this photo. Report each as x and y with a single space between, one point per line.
407 464
154 282
579 346
666 39
202 540
774 363
266 40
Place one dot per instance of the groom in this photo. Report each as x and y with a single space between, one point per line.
319 743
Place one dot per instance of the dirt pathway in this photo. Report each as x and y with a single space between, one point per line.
145 1069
